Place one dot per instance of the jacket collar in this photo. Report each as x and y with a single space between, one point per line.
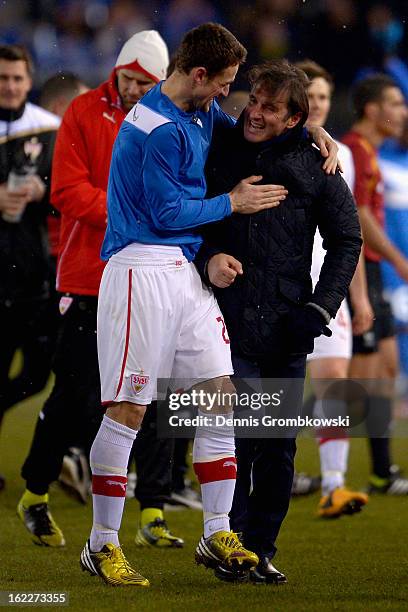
8 115
110 89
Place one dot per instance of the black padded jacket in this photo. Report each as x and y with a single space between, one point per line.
275 245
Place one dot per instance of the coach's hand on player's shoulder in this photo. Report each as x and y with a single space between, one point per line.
222 270
247 198
328 148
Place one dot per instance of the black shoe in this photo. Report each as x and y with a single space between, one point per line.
2 482
266 573
222 573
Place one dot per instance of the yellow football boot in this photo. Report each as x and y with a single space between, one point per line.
111 565
341 501
224 551
156 533
38 520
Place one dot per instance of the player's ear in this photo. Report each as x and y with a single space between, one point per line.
199 74
371 110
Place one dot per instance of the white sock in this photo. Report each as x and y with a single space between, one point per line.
333 445
109 460
216 469
333 463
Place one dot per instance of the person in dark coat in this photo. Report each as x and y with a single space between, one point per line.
27 136
259 266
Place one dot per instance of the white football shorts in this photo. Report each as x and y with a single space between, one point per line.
156 320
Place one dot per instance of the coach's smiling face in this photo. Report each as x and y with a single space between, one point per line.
267 115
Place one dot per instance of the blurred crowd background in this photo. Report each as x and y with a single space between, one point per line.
348 37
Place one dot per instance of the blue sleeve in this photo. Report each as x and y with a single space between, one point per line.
169 207
221 119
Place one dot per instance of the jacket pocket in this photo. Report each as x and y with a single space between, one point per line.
261 331
291 290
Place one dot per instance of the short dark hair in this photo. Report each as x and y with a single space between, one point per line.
209 45
62 84
313 70
17 53
370 89
279 76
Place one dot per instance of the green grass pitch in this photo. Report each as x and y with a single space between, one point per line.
352 564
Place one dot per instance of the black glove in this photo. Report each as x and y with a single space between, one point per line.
305 324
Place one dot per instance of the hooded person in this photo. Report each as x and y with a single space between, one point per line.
72 413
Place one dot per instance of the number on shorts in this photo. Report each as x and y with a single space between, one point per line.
224 330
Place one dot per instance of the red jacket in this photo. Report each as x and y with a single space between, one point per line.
79 182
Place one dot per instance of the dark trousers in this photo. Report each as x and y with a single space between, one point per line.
259 513
72 414
27 326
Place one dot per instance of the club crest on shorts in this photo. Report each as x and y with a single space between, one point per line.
64 303
139 381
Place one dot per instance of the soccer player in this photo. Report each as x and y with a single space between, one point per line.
155 318
331 356
380 113
261 267
72 413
